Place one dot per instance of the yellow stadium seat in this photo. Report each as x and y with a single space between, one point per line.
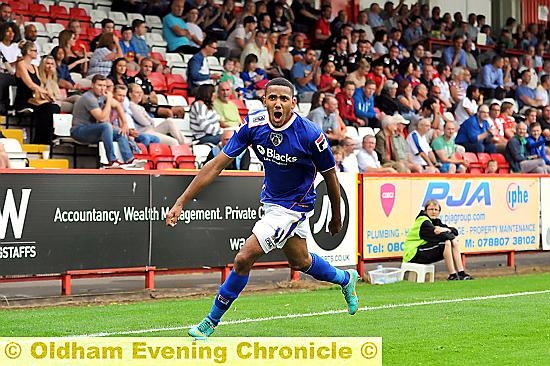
49 163
14 133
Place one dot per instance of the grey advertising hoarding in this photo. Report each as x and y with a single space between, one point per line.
50 223
215 223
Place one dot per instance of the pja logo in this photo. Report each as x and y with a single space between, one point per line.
516 196
468 194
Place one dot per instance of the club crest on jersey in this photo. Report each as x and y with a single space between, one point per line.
321 142
276 138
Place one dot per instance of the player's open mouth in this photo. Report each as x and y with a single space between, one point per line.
278 114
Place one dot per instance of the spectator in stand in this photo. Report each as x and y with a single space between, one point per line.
375 20
305 14
429 240
492 79
254 78
509 123
364 105
81 47
530 117
108 49
468 106
75 63
227 110
407 103
328 83
446 152
454 55
280 23
48 79
420 92
380 41
345 105
362 53
205 122
91 123
377 74
150 100
419 147
9 45
175 31
363 24
368 160
241 162
386 101
325 117
258 48
64 78
442 82
127 49
241 36
359 76
107 27
427 76
536 143
543 90
30 34
499 125
29 87
306 75
299 51
387 147
118 72
349 163
519 157
120 93
198 71
475 134
544 121
283 59
525 95
413 34
457 85
7 69
232 76
140 45
146 125
196 34
528 65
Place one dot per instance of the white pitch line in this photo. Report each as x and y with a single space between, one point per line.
328 312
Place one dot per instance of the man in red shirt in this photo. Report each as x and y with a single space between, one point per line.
322 27
346 106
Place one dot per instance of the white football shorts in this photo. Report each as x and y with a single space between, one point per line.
278 224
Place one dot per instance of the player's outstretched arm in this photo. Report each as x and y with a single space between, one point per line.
333 188
206 175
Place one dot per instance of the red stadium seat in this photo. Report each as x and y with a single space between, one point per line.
59 12
181 150
483 159
19 8
159 82
162 156
503 166
176 82
144 155
79 14
185 159
159 57
93 32
475 166
38 11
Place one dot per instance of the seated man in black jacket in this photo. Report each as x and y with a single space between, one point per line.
429 240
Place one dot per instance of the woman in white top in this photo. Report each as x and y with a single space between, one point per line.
205 121
145 123
108 49
48 77
9 51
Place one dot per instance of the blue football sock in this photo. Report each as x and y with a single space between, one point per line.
228 292
322 270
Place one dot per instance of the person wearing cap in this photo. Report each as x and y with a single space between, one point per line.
446 152
241 36
386 101
175 30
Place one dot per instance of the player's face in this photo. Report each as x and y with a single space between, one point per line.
279 103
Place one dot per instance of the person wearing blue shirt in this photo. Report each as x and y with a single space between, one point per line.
536 143
526 96
293 150
475 134
175 32
492 83
306 75
363 99
454 55
198 70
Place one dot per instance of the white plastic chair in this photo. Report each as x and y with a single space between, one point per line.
201 152
253 105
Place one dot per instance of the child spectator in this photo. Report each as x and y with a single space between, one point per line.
254 78
346 105
492 167
536 142
328 83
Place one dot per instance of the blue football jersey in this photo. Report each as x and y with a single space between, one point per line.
292 155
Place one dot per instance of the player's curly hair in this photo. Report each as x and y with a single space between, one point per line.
280 82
